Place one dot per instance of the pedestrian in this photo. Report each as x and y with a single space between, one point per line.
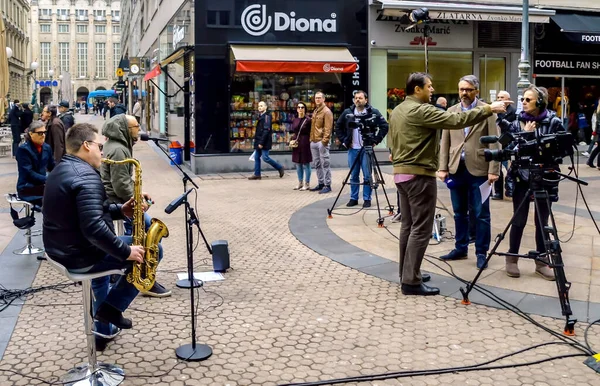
320 136
462 160
263 140
14 119
301 154
115 108
596 137
26 117
65 115
509 116
55 131
137 111
352 139
441 103
535 117
414 139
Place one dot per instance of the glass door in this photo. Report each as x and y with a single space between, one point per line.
492 75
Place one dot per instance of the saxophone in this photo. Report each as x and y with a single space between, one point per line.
143 274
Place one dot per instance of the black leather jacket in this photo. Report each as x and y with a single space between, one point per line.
263 131
344 132
78 229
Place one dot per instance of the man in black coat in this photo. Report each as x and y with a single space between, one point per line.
509 116
65 115
14 119
26 117
78 229
115 107
352 139
263 141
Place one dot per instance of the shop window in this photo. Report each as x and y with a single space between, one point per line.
176 105
498 35
217 18
281 92
446 68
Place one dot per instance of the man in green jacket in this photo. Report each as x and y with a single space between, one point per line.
414 140
122 132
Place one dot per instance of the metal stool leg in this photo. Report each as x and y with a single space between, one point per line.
28 249
92 373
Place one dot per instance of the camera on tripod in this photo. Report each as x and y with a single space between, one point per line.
367 127
538 154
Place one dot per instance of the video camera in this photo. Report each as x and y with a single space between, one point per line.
528 148
367 126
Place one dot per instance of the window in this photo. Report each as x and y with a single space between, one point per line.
82 14
82 28
62 12
101 60
63 56
115 13
45 12
100 29
44 59
217 18
116 55
116 29
82 59
63 28
99 12
45 28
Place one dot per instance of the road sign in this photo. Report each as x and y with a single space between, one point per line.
120 72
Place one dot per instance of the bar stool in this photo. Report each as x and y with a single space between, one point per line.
29 248
92 373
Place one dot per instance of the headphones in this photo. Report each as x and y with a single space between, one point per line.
539 103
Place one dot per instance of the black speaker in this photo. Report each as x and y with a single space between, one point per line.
220 255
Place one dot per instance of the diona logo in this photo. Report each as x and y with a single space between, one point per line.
329 68
256 22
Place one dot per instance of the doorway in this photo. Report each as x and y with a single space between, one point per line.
492 74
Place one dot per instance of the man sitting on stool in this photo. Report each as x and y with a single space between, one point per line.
78 226
351 138
34 160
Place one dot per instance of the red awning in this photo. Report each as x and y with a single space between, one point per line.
293 59
153 74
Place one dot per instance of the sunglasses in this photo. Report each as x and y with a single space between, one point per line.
100 146
526 100
301 107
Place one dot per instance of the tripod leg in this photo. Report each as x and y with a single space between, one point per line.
553 251
499 238
373 182
377 171
354 165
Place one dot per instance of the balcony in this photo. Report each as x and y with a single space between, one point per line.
45 17
63 17
100 18
82 18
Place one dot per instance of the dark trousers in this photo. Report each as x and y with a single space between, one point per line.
516 230
466 203
417 205
593 156
16 137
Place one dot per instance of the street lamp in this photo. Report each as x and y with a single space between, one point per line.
9 52
524 66
60 78
34 66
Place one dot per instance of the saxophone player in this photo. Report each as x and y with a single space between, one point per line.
78 228
122 133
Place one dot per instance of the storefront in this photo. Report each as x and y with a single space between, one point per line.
567 62
461 39
277 52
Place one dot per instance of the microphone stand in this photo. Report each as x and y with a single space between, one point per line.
190 352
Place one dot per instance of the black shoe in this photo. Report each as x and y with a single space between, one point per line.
281 173
317 188
425 277
367 204
101 343
251 178
455 255
497 197
109 314
352 203
420 289
471 239
157 291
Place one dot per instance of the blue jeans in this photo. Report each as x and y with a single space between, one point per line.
467 192
264 154
303 171
128 224
122 293
363 164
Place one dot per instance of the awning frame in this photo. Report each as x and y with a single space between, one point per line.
175 56
458 7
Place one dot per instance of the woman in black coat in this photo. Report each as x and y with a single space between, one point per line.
535 117
301 155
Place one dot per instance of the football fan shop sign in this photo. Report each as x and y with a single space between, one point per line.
557 64
393 32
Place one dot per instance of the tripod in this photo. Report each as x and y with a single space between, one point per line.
374 182
553 252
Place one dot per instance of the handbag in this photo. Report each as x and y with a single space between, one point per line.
294 142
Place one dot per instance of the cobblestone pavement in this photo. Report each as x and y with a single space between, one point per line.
287 313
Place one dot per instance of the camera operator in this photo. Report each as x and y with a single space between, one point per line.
535 118
352 137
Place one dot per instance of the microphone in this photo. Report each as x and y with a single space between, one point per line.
177 202
487 139
146 137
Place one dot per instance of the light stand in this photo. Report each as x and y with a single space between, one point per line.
419 16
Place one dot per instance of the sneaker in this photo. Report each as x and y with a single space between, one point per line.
397 218
254 177
481 261
317 188
157 291
352 203
455 254
585 154
281 173
326 189
367 204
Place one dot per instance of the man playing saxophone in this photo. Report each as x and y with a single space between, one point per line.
78 228
122 132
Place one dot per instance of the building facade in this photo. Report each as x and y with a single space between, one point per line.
77 44
15 14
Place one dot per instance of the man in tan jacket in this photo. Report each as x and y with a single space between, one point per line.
320 135
463 163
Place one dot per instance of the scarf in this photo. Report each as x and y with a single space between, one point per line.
528 117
